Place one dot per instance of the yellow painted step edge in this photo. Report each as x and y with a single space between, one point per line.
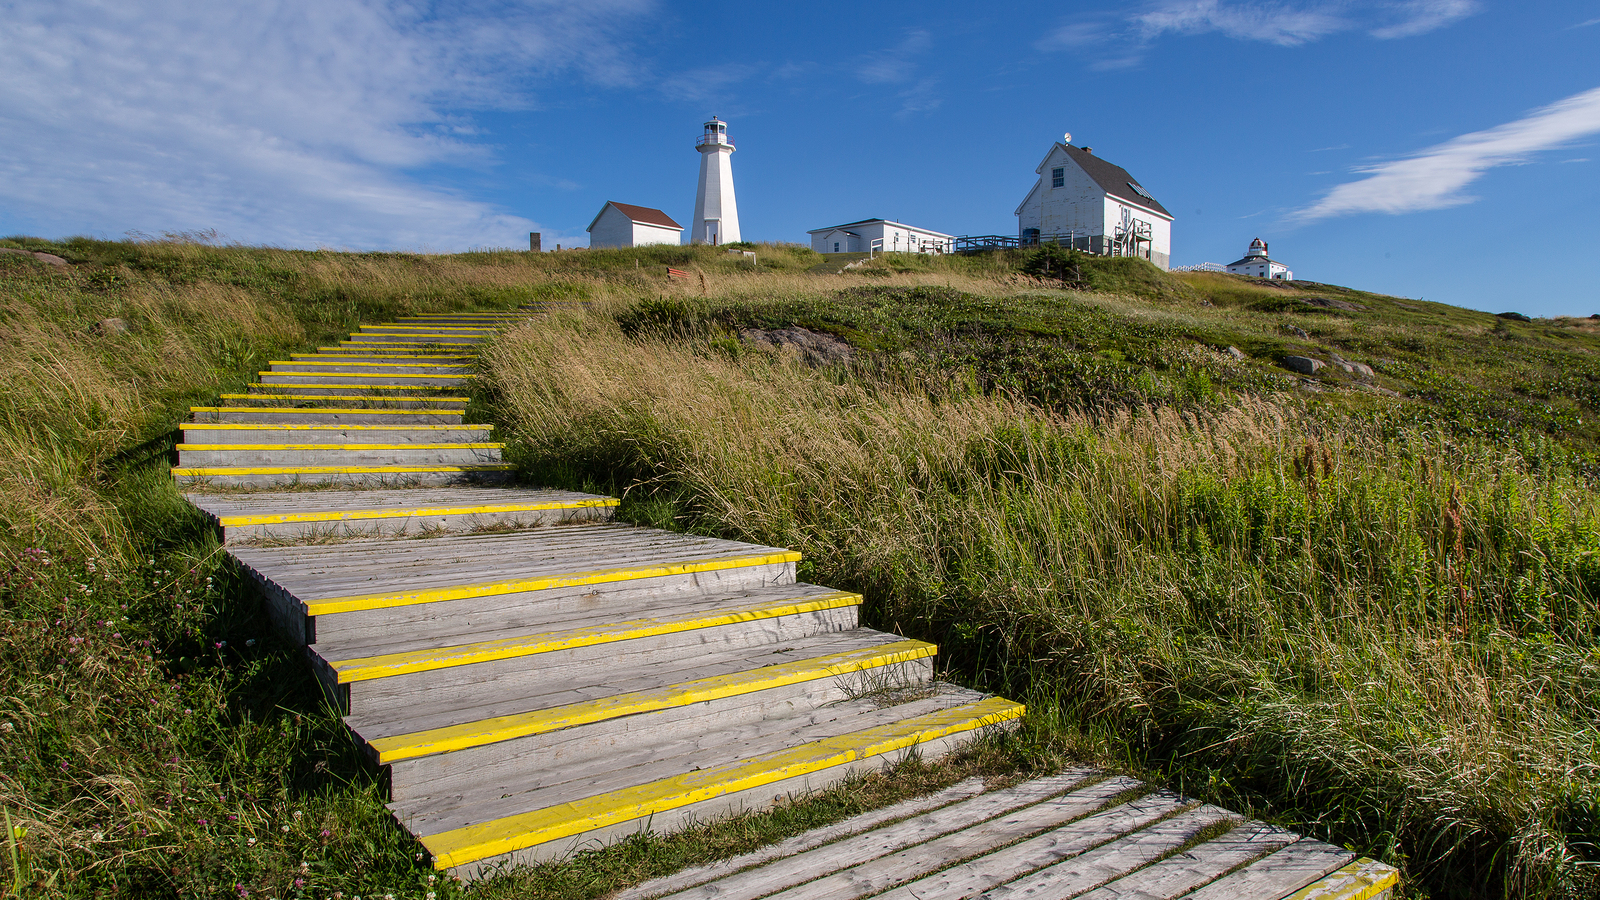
474 842
374 388
326 410
333 353
296 426
1361 880
341 397
400 344
392 513
358 362
332 446
701 690
206 472
373 375
390 664
354 603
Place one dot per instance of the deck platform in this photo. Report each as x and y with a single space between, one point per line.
1080 834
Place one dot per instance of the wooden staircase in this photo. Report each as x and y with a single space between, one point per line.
537 679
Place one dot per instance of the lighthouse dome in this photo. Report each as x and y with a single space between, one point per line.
1258 247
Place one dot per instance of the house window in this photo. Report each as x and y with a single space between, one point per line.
1058 177
836 246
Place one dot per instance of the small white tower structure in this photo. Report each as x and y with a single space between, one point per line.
716 214
1257 264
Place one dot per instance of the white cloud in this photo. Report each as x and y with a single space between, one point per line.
1436 177
1118 42
283 121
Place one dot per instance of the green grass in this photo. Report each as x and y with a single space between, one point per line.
1367 618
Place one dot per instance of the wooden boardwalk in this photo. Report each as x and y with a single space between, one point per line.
538 680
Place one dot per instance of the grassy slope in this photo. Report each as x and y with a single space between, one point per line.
1202 590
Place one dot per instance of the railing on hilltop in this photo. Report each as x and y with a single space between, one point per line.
1201 267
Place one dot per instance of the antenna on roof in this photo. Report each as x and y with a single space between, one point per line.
1066 138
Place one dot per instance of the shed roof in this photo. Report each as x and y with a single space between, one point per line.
1257 260
1112 178
644 215
884 221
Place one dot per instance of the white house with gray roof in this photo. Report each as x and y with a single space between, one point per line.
881 235
1095 206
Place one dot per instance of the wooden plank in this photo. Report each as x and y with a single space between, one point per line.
564 768
1180 872
979 874
1364 879
1278 875
701 690
463 845
366 668
800 843
1041 801
1109 861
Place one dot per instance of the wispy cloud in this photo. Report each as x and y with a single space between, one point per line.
286 121
1436 177
897 65
1114 41
707 83
1585 24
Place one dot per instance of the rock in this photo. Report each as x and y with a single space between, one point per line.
1305 365
1328 303
814 347
1513 316
1380 390
111 326
1236 353
1297 331
1357 369
47 258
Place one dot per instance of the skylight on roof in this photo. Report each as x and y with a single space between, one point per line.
1141 192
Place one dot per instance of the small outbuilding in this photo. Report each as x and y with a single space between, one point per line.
1258 264
626 225
880 235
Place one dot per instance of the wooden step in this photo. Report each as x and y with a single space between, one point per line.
342 415
435 358
376 476
283 516
284 433
452 453
361 367
584 652
425 589
456 380
342 396
666 792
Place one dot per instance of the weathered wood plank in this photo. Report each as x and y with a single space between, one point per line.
1004 815
800 843
1278 875
1180 872
1109 861
979 874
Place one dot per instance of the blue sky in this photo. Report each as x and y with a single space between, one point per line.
1446 149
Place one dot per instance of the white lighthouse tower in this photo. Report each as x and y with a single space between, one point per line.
716 214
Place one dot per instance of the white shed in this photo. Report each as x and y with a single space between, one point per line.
626 225
1094 205
881 235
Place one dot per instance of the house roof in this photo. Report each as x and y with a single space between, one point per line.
644 215
884 221
1112 178
1257 260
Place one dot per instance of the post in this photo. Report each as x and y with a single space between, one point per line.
534 239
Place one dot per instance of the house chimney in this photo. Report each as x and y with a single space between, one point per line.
1089 150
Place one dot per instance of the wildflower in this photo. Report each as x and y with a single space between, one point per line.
250 843
297 814
7 727
201 822
232 817
326 833
250 643
285 829
431 895
432 878
299 882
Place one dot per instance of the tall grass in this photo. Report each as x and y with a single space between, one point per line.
1385 641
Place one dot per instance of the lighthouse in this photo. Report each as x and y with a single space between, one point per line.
716 214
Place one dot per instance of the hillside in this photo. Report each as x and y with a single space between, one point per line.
1360 603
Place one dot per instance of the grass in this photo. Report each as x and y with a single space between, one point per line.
1367 618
